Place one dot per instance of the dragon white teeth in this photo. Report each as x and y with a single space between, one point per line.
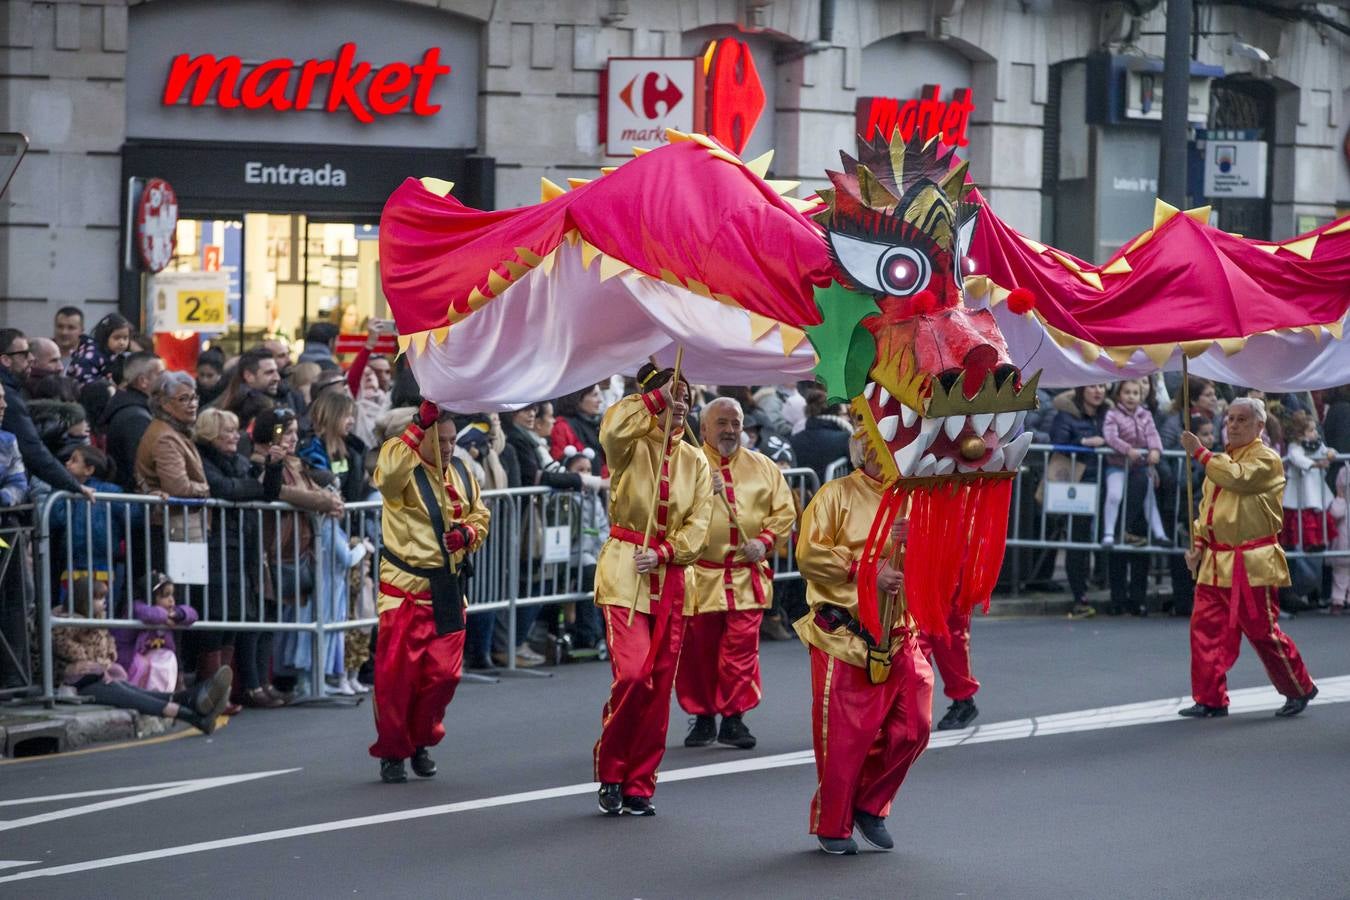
1016 451
954 425
981 422
926 466
884 399
887 427
869 390
1017 424
906 459
1003 423
965 469
995 463
907 416
945 466
928 432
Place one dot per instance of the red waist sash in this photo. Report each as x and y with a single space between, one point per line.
666 598
729 567
1241 590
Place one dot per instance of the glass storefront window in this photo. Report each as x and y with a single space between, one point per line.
287 272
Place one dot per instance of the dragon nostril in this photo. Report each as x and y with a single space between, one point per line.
1003 373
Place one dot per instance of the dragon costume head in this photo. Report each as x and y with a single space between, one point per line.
929 380
934 393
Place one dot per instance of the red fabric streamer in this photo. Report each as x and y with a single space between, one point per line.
869 611
987 542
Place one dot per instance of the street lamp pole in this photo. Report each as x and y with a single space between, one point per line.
1176 100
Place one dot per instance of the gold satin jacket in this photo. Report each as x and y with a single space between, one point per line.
1241 502
405 524
759 494
631 436
833 532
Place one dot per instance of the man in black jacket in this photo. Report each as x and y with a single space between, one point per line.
127 414
15 360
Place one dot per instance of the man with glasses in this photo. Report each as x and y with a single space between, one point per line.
15 361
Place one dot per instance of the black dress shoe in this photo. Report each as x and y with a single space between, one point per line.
638 806
392 771
1295 705
873 830
1201 711
702 731
838 846
733 733
611 798
423 765
960 714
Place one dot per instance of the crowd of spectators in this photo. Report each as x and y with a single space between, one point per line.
95 411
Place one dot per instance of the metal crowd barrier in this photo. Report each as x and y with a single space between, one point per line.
536 553
16 602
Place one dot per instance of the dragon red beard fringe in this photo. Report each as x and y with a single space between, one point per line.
956 538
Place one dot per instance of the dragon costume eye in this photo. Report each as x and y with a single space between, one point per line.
885 268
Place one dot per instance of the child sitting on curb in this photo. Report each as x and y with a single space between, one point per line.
150 656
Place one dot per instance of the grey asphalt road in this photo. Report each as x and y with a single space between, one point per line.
1249 806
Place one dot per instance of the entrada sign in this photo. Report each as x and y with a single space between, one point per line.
930 116
283 85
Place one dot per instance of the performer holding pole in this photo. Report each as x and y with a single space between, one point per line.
654 476
1239 566
732 583
433 517
866 735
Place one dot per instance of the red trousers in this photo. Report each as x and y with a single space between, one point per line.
951 654
719 663
1215 643
633 728
866 735
416 673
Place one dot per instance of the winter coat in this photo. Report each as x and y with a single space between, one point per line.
13 476
89 362
579 432
37 459
233 478
819 443
537 467
1339 511
1305 485
124 421
168 461
78 652
131 642
350 472
107 523
1126 431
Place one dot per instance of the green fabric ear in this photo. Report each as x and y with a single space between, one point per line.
846 349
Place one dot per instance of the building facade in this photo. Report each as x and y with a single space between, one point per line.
285 195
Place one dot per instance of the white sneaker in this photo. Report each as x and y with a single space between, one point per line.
343 689
1108 540
525 651
355 684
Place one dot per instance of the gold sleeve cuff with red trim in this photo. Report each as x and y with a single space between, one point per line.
768 539
655 402
665 552
1203 456
412 436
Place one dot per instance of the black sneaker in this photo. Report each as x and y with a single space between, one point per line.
1082 611
873 830
838 846
638 806
611 798
733 733
1295 705
392 771
959 715
423 765
1201 711
702 731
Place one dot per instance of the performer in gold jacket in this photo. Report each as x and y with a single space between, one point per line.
865 735
752 513
433 518
644 646
1239 567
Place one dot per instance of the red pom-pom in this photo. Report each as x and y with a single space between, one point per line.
923 303
1021 300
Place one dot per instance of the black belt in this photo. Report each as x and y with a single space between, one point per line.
447 592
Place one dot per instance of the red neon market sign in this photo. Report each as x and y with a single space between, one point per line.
929 116
282 84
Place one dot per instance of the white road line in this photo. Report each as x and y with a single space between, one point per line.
80 795
1332 690
185 787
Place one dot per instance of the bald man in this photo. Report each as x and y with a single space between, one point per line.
46 358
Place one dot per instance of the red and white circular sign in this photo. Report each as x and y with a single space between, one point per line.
157 224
